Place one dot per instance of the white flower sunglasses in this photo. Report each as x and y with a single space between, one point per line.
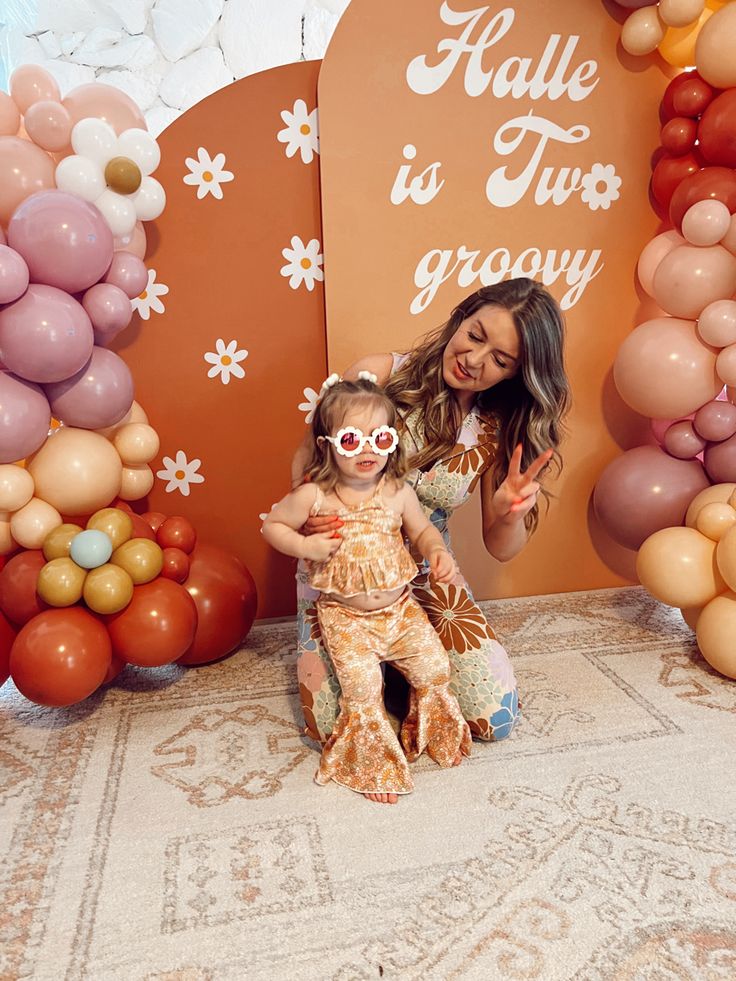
350 441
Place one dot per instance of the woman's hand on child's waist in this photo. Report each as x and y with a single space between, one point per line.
317 523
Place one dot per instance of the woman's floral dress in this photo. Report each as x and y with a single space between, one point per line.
482 676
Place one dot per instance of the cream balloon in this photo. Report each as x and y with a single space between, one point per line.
30 526
715 494
714 520
715 46
16 487
678 567
136 482
77 471
680 13
136 443
642 31
716 634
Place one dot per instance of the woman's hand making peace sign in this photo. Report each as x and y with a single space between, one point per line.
517 494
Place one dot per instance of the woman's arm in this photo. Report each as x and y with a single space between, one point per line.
281 524
424 536
503 510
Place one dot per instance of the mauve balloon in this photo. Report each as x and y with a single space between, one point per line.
97 396
128 272
13 275
109 310
45 336
65 241
25 418
715 421
720 461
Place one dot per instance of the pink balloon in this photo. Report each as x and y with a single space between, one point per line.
13 275
45 336
30 84
104 102
720 461
652 254
65 240
98 395
643 491
706 222
25 418
135 243
682 441
109 309
729 239
128 273
664 371
49 125
717 323
715 421
691 277
9 116
25 169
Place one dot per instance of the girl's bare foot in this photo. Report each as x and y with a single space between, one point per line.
383 798
458 759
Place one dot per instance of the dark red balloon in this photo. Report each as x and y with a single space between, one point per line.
686 95
60 657
176 565
154 518
177 532
669 174
226 599
7 636
141 528
717 130
714 183
116 666
678 135
156 627
18 598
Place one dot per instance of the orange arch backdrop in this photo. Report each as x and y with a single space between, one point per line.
462 143
217 265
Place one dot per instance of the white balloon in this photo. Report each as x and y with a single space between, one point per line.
118 211
80 176
95 139
150 199
141 148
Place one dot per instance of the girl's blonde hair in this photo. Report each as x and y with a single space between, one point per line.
329 416
529 407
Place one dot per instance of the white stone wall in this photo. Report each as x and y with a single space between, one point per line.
166 54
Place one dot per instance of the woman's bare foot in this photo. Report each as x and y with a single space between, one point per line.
383 798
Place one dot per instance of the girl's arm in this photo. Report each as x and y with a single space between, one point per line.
425 537
504 531
281 524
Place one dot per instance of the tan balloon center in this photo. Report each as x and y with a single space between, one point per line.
123 175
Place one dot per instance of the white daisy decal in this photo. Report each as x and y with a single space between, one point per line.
303 263
301 132
600 187
225 361
149 300
207 174
180 473
310 405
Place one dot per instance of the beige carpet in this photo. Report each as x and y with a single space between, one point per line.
170 829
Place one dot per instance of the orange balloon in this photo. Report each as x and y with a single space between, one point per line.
716 634
679 43
716 493
104 102
140 558
678 566
26 168
60 582
77 471
157 626
116 524
58 543
108 589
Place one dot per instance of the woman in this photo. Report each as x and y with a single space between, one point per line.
482 399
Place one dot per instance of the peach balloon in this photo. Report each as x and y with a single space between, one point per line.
134 414
108 589
678 567
690 615
652 254
706 222
714 520
77 471
690 277
715 47
9 116
16 487
136 482
716 633
664 371
642 31
141 558
60 582
26 168
717 323
135 243
716 493
7 543
104 102
726 556
729 239
58 543
136 443
114 522
49 126
30 84
678 45
30 526
726 365
680 13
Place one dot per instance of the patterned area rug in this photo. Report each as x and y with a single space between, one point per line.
169 828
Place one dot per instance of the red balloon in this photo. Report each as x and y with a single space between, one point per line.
717 130
116 666
176 565
177 532
7 636
60 657
669 174
712 183
226 599
141 528
156 627
154 519
121 505
18 598
678 135
686 95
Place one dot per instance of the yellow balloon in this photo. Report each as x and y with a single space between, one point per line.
58 543
141 558
717 493
60 582
16 487
677 47
30 526
136 443
715 519
77 471
108 589
716 634
116 524
678 566
135 482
